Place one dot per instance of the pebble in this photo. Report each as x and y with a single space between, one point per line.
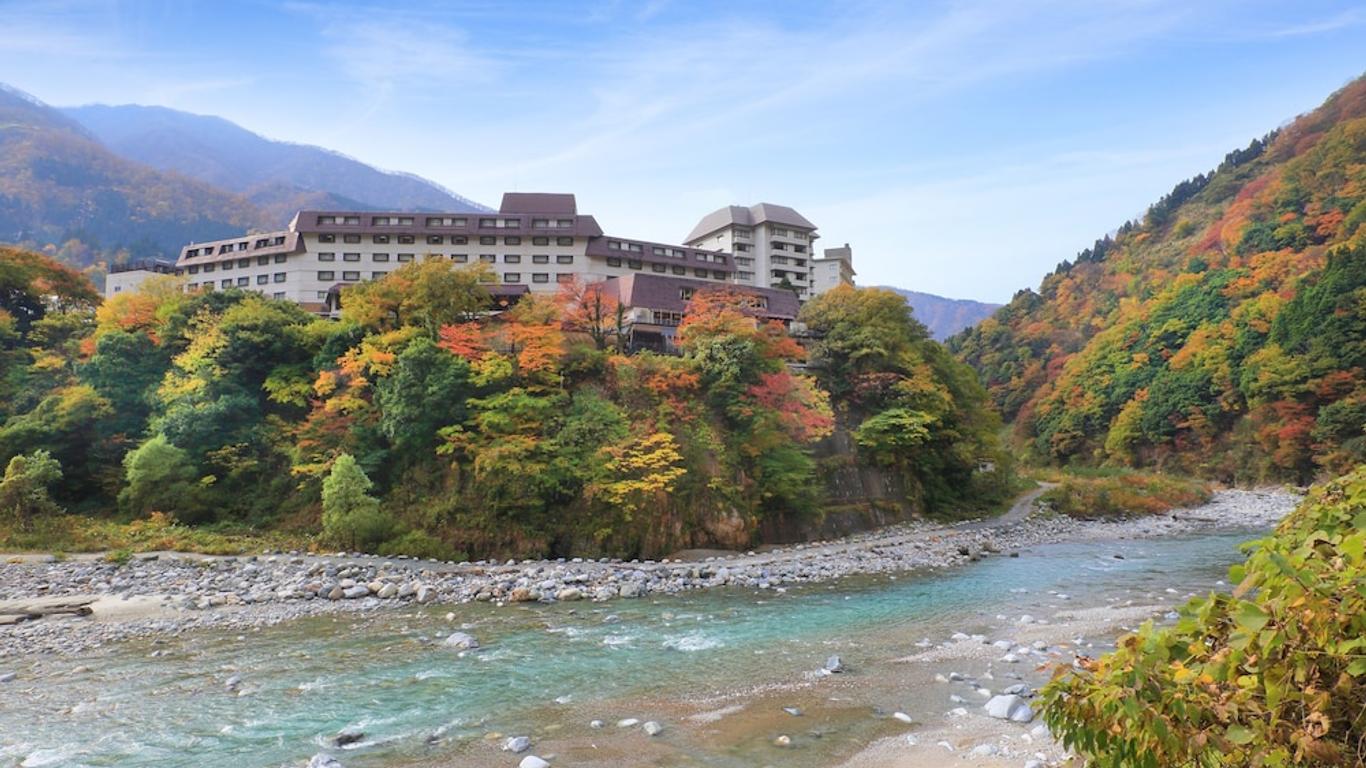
652 728
532 761
323 760
517 744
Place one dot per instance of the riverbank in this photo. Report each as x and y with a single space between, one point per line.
171 593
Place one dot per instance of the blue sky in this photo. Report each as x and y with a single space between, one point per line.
962 148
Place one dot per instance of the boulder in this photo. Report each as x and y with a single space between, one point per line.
1009 707
387 591
520 595
569 594
425 594
462 640
348 735
652 728
532 761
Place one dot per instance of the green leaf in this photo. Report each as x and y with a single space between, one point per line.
1357 668
1239 735
1251 617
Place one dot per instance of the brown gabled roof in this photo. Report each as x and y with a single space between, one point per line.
663 293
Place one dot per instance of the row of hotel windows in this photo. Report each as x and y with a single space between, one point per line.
659 250
459 258
193 269
677 269
447 221
241 246
278 277
331 237
508 277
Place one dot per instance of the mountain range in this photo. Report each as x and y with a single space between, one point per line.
91 182
945 317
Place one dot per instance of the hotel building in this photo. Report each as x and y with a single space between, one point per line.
835 268
771 243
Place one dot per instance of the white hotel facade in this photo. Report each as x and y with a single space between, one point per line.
535 242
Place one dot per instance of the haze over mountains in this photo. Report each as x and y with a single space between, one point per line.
945 317
96 181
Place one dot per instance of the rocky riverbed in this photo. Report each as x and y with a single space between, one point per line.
169 593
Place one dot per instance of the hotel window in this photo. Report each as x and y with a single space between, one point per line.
350 219
718 258
405 257
660 267
227 265
227 283
488 240
718 274
278 241
224 248
327 275
278 295
540 241
379 257
435 221
405 221
540 223
633 263
564 241
613 261
350 277
193 269
191 253
327 219
244 281
241 246
678 270
458 222
261 243
564 223
613 245
261 260
406 239
540 258
209 267
434 239
280 258
744 275
686 293
278 277
634 247
741 247
327 257
263 279
512 277
350 257
540 277
379 239
459 240
512 240
351 238
488 258
322 294
658 251
377 275
243 263
564 259
460 258
700 272
564 277
511 258
327 238
488 223
512 223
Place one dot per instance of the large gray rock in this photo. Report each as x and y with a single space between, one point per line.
463 641
517 744
425 594
348 735
1009 707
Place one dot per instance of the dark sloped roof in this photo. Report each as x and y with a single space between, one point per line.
662 292
539 202
747 217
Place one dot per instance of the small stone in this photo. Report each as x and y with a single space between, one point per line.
783 741
652 728
1009 707
517 744
532 761
348 735
596 724
903 717
629 722
323 760
387 591
5 677
462 640
794 711
984 750
569 594
425 594
834 665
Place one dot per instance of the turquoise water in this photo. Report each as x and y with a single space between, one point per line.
541 666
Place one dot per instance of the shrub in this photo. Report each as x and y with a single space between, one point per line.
1270 675
1124 494
23 491
350 515
160 478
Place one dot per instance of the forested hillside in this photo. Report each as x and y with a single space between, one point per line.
60 186
441 430
1224 333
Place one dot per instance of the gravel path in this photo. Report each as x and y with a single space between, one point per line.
171 593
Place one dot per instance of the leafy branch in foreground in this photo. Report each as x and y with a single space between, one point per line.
1270 675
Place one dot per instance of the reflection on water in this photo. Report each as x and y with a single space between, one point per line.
540 666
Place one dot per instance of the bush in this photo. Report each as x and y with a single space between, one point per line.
422 545
23 491
1270 675
160 478
350 515
1124 494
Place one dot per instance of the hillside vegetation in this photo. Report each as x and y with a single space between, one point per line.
1224 334
419 424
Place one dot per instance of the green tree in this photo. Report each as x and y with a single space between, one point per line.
350 515
426 391
24 489
159 477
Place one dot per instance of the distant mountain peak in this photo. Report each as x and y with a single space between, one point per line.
943 316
